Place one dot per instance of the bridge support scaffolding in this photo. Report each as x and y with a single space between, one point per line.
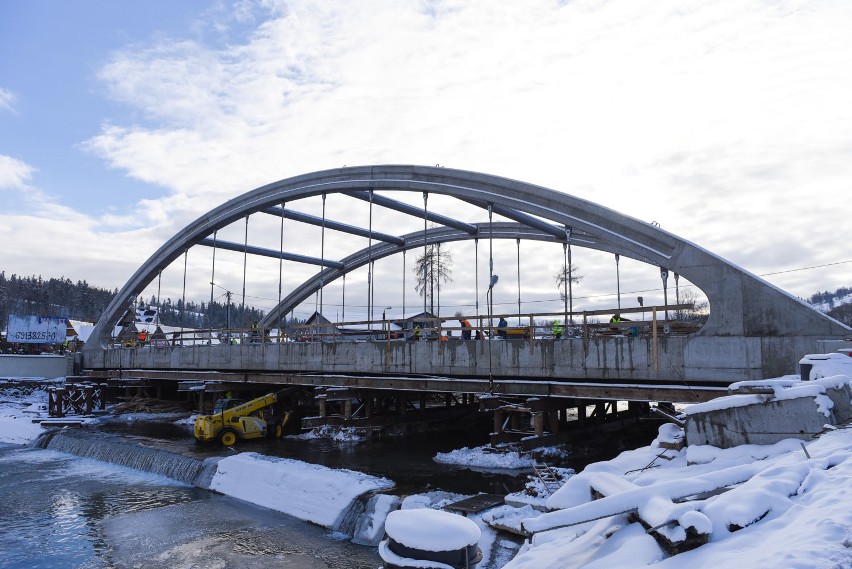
538 420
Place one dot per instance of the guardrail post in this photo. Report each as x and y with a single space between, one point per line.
532 333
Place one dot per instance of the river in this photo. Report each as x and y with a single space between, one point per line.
64 511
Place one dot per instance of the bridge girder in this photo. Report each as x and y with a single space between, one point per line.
741 304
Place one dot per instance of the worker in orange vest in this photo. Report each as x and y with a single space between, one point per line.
466 327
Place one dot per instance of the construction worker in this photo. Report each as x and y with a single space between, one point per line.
416 335
143 336
501 328
616 319
466 328
556 329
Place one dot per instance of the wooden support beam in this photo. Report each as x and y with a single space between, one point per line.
538 424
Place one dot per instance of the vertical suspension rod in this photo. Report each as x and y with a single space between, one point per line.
476 277
212 281
370 266
183 295
245 264
281 319
490 294
519 280
159 283
425 214
570 266
618 280
322 255
403 283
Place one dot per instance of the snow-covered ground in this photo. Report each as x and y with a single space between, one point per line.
784 505
309 492
19 405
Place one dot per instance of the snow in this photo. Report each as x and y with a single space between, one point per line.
18 407
783 388
334 433
783 505
485 457
781 509
307 491
825 365
431 530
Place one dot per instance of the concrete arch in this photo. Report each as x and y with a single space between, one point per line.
741 303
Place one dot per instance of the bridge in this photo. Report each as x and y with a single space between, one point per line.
753 330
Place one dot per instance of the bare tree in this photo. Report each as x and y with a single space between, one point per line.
433 266
561 277
699 312
843 313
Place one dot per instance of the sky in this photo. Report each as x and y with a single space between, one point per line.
786 504
726 123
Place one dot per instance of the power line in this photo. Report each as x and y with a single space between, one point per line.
807 268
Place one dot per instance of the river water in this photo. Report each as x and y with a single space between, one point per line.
64 511
61 510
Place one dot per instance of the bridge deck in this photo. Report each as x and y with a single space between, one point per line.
503 386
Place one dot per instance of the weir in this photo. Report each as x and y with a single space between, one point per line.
105 448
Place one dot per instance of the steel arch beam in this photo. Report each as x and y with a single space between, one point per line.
741 303
414 240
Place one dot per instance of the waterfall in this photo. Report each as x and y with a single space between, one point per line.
116 451
348 520
364 520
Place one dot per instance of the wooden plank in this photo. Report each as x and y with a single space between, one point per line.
475 504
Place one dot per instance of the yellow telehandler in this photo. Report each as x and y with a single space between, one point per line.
235 419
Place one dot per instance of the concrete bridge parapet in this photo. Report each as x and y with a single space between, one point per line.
616 359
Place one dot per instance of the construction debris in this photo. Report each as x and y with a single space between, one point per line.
148 405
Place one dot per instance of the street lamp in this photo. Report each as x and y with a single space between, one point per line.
384 323
494 279
490 294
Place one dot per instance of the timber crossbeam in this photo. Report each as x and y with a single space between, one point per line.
505 386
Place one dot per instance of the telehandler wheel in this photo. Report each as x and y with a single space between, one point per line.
227 437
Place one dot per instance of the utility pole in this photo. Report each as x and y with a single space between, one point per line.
228 311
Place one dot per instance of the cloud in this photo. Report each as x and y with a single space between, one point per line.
45 237
726 122
14 174
7 100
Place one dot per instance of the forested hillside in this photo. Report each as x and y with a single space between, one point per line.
26 296
80 301
837 304
54 297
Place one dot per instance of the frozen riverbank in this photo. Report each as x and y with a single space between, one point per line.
795 510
